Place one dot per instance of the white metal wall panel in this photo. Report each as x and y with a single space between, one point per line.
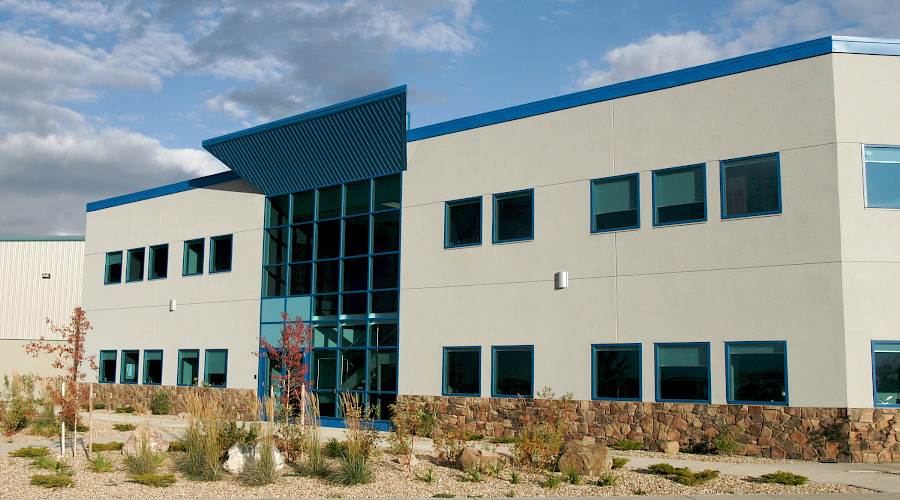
27 299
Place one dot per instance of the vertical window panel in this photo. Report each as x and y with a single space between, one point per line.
159 262
679 195
220 254
462 371
107 367
134 270
513 371
193 257
463 223
153 367
617 372
514 216
682 372
215 368
882 176
757 372
188 366
614 203
750 186
129 374
113 272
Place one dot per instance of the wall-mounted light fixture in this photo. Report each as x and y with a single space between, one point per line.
561 280
172 305
45 276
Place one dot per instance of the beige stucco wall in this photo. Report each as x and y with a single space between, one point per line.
761 278
13 359
213 311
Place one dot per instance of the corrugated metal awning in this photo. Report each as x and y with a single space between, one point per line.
358 139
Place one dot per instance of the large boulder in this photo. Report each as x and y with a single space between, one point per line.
239 455
155 440
585 458
473 458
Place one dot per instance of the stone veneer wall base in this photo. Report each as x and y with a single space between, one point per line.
240 402
832 434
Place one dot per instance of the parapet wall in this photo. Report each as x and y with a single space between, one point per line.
841 434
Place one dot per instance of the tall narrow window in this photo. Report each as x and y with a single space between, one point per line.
882 172
462 371
679 195
129 373
617 371
220 254
513 371
614 203
113 272
886 373
188 366
682 372
216 367
159 262
462 226
134 270
757 372
514 216
750 186
193 257
153 367
107 367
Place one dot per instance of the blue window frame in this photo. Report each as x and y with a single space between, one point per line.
188 366
756 373
153 366
107 373
514 216
113 270
886 372
193 258
616 370
682 372
462 371
512 371
614 203
750 186
215 368
220 253
159 262
129 373
882 173
134 268
462 223
679 195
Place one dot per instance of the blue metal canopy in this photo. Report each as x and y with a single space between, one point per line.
357 139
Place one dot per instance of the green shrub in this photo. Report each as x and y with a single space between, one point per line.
572 476
110 446
155 480
31 452
353 469
619 462
686 477
449 444
18 404
58 467
628 445
145 461
782 477
514 478
232 432
335 448
444 495
51 481
43 426
176 446
101 463
472 475
503 440
125 409
425 425
427 477
161 403
607 479
725 442
124 427
661 469
99 406
552 481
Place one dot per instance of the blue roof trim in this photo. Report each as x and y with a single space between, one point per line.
356 139
795 52
178 187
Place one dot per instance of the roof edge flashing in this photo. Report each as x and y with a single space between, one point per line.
178 187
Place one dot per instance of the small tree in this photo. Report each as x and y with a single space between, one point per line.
69 357
290 352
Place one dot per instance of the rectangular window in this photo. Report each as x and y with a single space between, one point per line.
757 372
129 373
679 195
134 270
462 226
514 216
750 186
614 203
188 366
886 373
882 172
107 367
462 371
153 367
159 262
220 254
513 371
193 257
617 371
215 367
113 268
682 372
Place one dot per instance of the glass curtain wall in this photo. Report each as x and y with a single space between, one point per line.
332 257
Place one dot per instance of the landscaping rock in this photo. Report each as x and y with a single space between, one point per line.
239 456
587 459
470 458
669 447
154 438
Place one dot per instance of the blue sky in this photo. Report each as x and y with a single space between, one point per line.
100 99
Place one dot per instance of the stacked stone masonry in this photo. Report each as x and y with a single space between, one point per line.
242 403
841 434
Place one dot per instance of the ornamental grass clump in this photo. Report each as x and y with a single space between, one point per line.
263 470
18 404
100 463
354 466
202 447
